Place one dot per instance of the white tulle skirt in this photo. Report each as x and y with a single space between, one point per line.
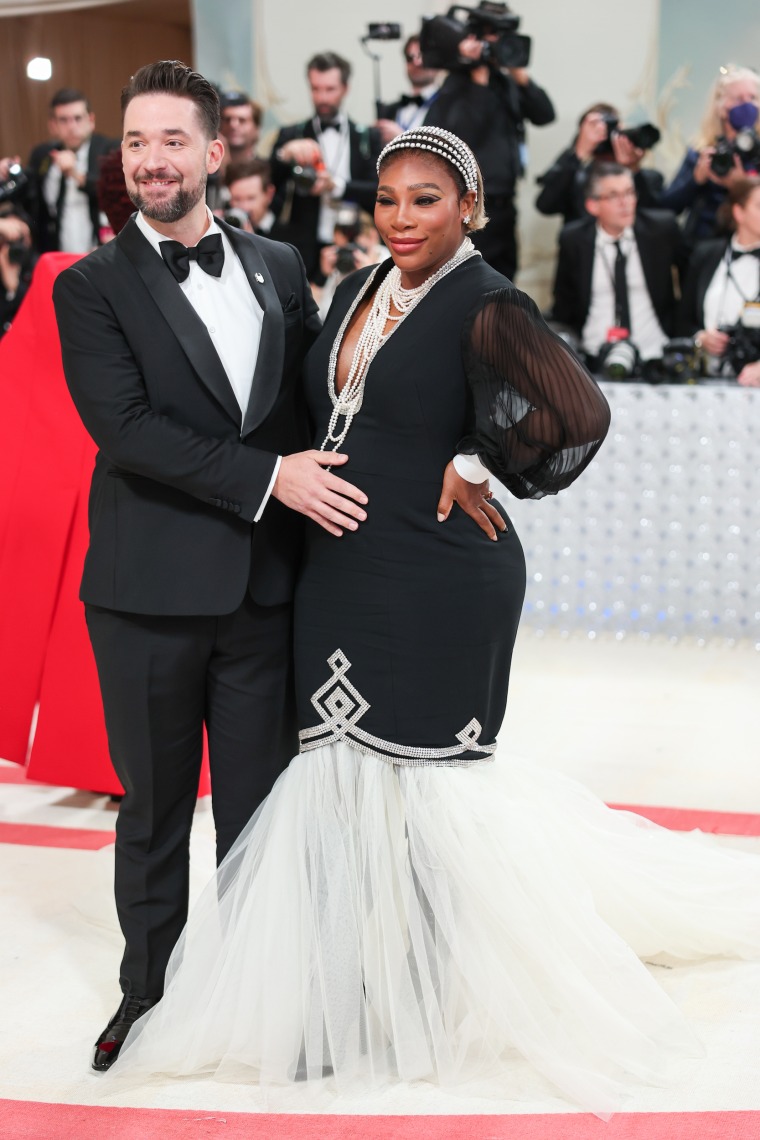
377 924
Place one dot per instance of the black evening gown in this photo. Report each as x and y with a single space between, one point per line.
404 906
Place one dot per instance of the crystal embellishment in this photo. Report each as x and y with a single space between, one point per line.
341 706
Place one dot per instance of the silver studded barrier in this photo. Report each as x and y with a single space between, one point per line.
661 535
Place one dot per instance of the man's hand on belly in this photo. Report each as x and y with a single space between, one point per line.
305 486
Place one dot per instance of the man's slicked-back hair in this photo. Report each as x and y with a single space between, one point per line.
172 77
326 61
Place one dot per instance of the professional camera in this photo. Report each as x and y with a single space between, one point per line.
746 144
383 32
743 346
237 218
618 359
14 183
681 363
645 136
304 177
344 258
441 36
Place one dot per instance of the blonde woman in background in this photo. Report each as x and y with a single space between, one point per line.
696 187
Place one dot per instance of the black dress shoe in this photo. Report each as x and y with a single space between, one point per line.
108 1046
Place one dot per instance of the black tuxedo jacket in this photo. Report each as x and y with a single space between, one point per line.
300 213
705 259
46 225
660 248
178 480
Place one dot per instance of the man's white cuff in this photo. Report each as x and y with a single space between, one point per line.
270 488
471 469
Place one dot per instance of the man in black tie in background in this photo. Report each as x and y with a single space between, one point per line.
183 341
616 268
322 163
410 111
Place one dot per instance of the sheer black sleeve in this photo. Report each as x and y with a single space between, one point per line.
537 416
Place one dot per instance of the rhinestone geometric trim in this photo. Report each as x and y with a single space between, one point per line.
341 706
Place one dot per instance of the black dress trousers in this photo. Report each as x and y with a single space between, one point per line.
162 677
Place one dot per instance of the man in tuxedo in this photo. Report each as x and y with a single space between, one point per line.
616 267
338 159
241 128
250 188
182 342
63 175
410 111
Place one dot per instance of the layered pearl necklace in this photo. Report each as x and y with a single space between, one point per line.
347 403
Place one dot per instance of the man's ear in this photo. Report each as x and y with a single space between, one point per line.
214 155
270 193
592 205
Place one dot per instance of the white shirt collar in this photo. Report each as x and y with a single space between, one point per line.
608 239
155 238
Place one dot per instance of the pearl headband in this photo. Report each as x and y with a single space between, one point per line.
440 142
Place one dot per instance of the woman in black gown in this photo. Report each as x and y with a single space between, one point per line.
401 908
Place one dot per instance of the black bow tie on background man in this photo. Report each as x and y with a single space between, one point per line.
329 125
408 100
209 253
737 253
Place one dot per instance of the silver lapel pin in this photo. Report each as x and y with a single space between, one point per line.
259 278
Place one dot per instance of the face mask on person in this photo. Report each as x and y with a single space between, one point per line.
743 117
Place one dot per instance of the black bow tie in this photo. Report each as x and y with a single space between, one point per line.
209 253
737 253
329 125
408 100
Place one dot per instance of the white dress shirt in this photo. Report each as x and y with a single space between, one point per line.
232 315
75 233
646 331
335 144
727 293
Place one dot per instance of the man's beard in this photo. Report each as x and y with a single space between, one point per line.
171 209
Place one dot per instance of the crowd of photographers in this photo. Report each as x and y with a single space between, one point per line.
653 280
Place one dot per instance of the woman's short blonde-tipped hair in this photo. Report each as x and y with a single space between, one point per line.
436 145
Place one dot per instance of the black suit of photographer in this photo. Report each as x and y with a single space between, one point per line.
491 120
46 225
297 213
659 243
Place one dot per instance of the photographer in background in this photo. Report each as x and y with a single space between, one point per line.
716 159
487 104
599 139
615 270
251 190
319 164
17 260
410 111
720 307
356 244
61 195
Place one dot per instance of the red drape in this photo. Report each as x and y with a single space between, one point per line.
46 460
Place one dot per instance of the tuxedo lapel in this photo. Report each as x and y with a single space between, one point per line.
650 255
586 249
267 376
180 315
